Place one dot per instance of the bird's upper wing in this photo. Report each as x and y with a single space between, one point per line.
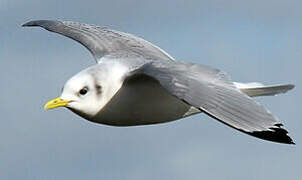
212 91
101 41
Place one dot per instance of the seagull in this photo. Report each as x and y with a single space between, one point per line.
136 83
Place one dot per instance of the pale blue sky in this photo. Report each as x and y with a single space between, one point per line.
251 40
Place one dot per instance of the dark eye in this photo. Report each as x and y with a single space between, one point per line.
83 91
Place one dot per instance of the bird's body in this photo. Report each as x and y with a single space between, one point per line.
136 83
141 101
133 100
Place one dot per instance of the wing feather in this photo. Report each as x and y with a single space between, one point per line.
102 41
212 91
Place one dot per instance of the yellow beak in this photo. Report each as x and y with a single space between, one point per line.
57 102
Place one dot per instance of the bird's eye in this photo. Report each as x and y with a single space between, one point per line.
83 91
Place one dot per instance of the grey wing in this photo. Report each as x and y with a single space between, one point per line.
101 41
212 91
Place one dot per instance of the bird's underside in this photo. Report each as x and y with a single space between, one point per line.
142 101
159 89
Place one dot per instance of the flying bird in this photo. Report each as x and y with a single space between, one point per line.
136 83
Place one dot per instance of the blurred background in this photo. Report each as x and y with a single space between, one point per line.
251 40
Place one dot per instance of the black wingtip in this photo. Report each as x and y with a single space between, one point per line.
276 134
41 23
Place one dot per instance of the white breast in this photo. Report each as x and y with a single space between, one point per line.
140 101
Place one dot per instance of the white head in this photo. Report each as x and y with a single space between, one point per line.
89 91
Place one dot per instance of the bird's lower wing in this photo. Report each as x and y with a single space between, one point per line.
211 91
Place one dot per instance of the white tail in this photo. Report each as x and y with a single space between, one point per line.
257 89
